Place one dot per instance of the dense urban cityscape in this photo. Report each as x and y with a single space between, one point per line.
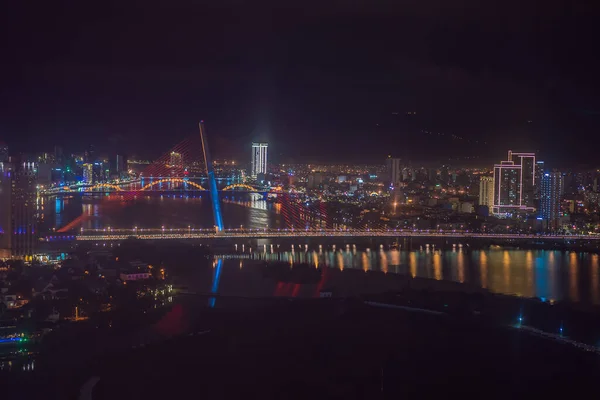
517 195
339 200
50 272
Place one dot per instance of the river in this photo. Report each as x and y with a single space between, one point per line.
154 210
550 275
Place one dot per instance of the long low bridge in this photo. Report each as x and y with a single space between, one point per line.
109 234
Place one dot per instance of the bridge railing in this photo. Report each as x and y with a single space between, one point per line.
210 233
155 185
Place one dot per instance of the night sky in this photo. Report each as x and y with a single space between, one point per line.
326 82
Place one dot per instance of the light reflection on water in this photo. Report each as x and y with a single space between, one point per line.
552 275
549 274
594 266
483 266
154 210
573 270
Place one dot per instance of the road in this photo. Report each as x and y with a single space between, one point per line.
182 234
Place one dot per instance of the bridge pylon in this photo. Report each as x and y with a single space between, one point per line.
212 182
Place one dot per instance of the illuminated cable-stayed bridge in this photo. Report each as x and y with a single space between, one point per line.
170 175
307 219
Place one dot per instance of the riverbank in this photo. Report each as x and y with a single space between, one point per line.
338 348
290 347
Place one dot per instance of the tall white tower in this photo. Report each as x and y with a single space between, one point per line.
259 159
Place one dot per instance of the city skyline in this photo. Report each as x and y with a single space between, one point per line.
215 181
117 156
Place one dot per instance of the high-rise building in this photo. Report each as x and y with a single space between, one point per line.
58 154
527 176
507 190
88 173
121 165
405 174
259 158
550 196
176 160
101 171
394 170
3 152
117 166
486 191
23 209
539 173
570 183
514 184
44 173
5 209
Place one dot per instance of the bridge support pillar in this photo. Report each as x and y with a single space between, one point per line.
212 182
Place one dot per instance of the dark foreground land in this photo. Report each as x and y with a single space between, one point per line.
323 348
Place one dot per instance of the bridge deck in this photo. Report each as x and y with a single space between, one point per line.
268 234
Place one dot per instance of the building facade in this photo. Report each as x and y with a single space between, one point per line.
507 188
551 190
121 166
259 159
514 185
486 192
393 168
539 173
5 209
88 173
528 176
23 209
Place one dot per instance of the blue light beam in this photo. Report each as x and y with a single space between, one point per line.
212 182
215 283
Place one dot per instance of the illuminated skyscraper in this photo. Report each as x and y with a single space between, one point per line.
550 196
514 184
259 159
23 209
5 209
88 173
100 171
486 191
507 188
394 170
527 176
539 173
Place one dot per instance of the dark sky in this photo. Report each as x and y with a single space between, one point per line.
318 80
